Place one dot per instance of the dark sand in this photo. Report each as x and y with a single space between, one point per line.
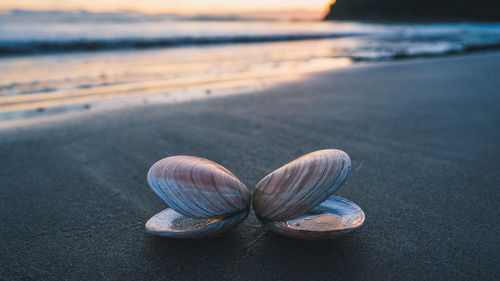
424 140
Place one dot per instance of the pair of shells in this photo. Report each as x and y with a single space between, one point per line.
295 200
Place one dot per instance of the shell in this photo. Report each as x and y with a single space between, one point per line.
301 185
204 198
169 223
197 187
332 218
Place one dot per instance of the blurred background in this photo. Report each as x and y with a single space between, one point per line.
83 54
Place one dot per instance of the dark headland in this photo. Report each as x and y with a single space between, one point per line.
415 10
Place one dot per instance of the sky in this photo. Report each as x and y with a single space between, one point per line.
170 6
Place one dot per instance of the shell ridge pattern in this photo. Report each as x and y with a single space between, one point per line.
295 201
152 182
180 201
158 186
203 201
237 197
243 196
315 190
161 180
265 182
266 194
301 185
340 176
217 201
267 191
213 180
232 196
197 187
258 193
185 189
298 180
305 193
326 180
290 190
302 202
285 186
247 198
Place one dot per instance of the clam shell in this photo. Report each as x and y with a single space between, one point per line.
301 185
198 188
334 217
170 223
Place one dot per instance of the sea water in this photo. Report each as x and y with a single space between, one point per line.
53 59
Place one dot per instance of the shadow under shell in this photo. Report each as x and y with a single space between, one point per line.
170 223
334 217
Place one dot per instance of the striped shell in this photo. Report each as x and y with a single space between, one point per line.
198 188
301 185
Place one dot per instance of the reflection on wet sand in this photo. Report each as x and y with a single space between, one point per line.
48 81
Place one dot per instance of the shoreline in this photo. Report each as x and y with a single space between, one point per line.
87 48
17 108
37 115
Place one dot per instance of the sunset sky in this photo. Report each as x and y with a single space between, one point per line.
170 6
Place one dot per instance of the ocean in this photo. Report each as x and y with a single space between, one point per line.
50 60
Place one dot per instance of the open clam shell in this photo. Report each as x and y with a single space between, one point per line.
204 197
296 200
170 223
332 218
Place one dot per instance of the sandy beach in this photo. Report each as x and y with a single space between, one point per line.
424 140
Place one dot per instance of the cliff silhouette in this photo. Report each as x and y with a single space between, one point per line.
415 10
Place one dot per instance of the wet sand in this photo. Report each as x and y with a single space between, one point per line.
424 140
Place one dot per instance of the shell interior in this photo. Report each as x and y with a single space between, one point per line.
170 223
332 218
